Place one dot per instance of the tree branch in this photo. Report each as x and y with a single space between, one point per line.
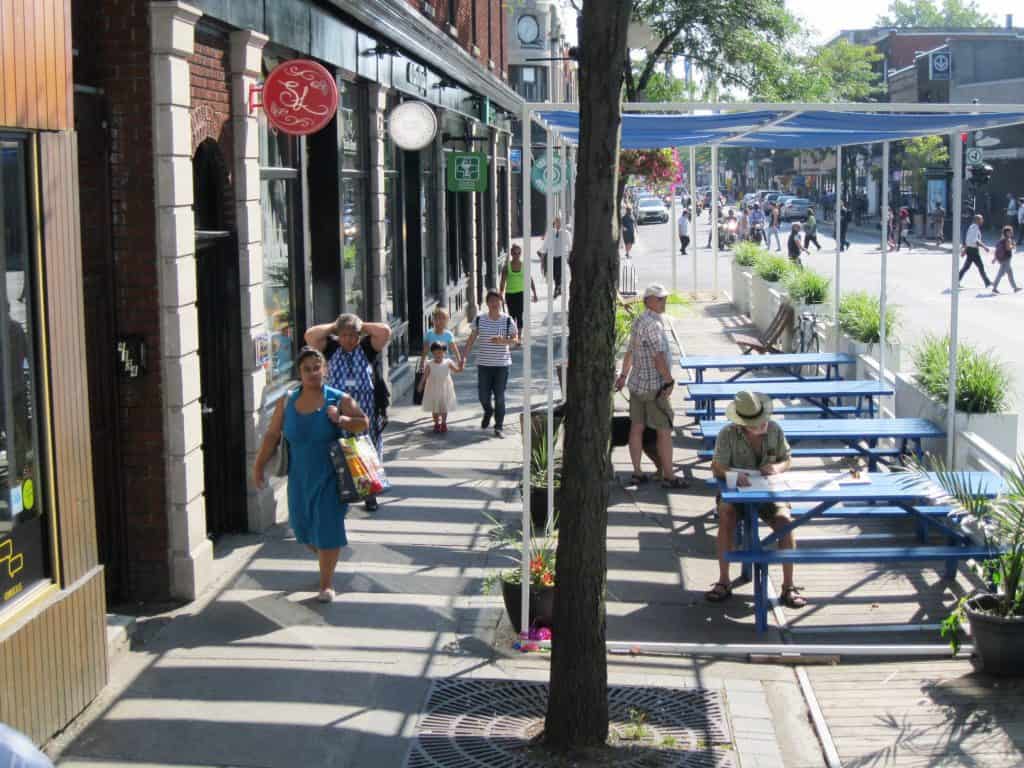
652 58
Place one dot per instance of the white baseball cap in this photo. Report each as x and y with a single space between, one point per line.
655 289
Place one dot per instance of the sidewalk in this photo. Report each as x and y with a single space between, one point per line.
259 674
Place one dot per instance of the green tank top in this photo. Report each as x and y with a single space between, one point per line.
513 280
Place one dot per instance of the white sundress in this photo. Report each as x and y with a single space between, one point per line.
439 392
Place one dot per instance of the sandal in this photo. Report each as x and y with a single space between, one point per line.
675 484
791 598
718 593
639 477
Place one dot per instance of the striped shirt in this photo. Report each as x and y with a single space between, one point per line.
487 352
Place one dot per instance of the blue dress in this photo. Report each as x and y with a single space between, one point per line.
314 512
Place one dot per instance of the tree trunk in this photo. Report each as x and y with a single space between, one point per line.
577 713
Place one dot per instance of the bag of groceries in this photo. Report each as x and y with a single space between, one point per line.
359 468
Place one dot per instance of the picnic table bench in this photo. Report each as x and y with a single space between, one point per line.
744 364
913 494
818 394
847 437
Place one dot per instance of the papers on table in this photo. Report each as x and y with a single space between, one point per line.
791 481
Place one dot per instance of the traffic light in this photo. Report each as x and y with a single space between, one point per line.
980 174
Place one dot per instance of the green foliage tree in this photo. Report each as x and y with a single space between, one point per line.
906 14
841 71
921 153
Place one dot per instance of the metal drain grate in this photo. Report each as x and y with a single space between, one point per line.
489 723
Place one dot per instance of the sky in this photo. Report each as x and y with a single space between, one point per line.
828 18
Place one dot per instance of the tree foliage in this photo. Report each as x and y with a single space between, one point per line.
906 14
841 71
916 155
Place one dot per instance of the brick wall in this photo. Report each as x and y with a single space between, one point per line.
211 105
491 13
121 67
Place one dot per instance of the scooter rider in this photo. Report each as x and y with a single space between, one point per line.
756 220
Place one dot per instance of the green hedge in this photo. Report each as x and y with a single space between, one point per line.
747 253
808 287
860 317
773 268
983 382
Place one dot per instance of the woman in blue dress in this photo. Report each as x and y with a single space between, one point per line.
311 418
351 348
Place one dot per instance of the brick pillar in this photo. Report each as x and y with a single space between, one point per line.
172 27
247 69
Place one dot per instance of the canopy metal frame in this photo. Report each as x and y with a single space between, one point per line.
989 116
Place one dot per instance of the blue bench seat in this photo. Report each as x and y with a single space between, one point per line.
790 410
838 451
857 555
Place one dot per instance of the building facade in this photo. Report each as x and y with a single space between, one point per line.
52 634
212 240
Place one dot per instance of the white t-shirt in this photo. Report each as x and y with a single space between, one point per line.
684 225
558 243
1020 215
973 236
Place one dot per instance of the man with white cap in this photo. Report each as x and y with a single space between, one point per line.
646 367
752 442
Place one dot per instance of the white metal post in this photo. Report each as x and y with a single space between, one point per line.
883 296
564 357
673 239
527 372
550 256
839 240
693 216
956 158
714 220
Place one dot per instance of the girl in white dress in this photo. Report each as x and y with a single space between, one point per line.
437 385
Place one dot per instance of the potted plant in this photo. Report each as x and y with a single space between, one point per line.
767 292
860 322
745 256
995 615
808 290
542 573
539 477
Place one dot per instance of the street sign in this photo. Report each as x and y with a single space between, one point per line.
940 63
542 180
974 156
467 172
300 97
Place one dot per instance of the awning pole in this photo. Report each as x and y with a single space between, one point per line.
673 241
564 357
839 239
524 577
714 219
883 296
693 216
956 214
550 256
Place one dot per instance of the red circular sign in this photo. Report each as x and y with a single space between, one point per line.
300 97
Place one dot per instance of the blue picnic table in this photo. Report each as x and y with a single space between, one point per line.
743 364
909 492
849 437
820 394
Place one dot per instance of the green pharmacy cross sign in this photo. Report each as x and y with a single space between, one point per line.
467 172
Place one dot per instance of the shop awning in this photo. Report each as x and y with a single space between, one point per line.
782 129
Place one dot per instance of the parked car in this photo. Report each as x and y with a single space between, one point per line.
651 210
771 197
796 209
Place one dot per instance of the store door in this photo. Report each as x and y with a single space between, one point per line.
220 356
416 241
98 279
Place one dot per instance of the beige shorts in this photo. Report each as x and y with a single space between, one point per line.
651 410
767 511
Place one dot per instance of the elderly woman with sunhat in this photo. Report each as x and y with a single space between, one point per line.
754 442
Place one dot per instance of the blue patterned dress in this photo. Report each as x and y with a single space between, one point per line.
352 372
315 514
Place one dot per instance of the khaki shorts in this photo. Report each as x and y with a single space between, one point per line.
767 511
651 410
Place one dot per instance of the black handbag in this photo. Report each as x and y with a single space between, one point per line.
417 393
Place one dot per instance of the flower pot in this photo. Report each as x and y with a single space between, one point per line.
542 605
741 288
539 507
997 640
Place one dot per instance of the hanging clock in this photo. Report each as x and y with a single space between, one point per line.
412 125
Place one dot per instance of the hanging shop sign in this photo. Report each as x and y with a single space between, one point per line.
543 180
940 64
467 172
300 97
412 125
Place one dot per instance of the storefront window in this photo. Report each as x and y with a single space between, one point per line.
282 251
23 535
428 223
353 198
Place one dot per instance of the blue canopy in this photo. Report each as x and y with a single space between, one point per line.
780 129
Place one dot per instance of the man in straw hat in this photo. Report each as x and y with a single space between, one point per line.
752 442
647 369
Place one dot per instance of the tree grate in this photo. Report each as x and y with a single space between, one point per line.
474 723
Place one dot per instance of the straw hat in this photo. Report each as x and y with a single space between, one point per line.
749 409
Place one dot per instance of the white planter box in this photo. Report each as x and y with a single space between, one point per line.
741 277
763 304
893 354
998 429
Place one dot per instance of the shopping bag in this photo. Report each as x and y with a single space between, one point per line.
359 469
417 393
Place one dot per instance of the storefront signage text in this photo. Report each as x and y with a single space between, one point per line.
300 97
467 172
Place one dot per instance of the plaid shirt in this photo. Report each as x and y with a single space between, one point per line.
647 340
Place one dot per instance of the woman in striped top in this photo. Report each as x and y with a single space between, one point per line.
497 332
